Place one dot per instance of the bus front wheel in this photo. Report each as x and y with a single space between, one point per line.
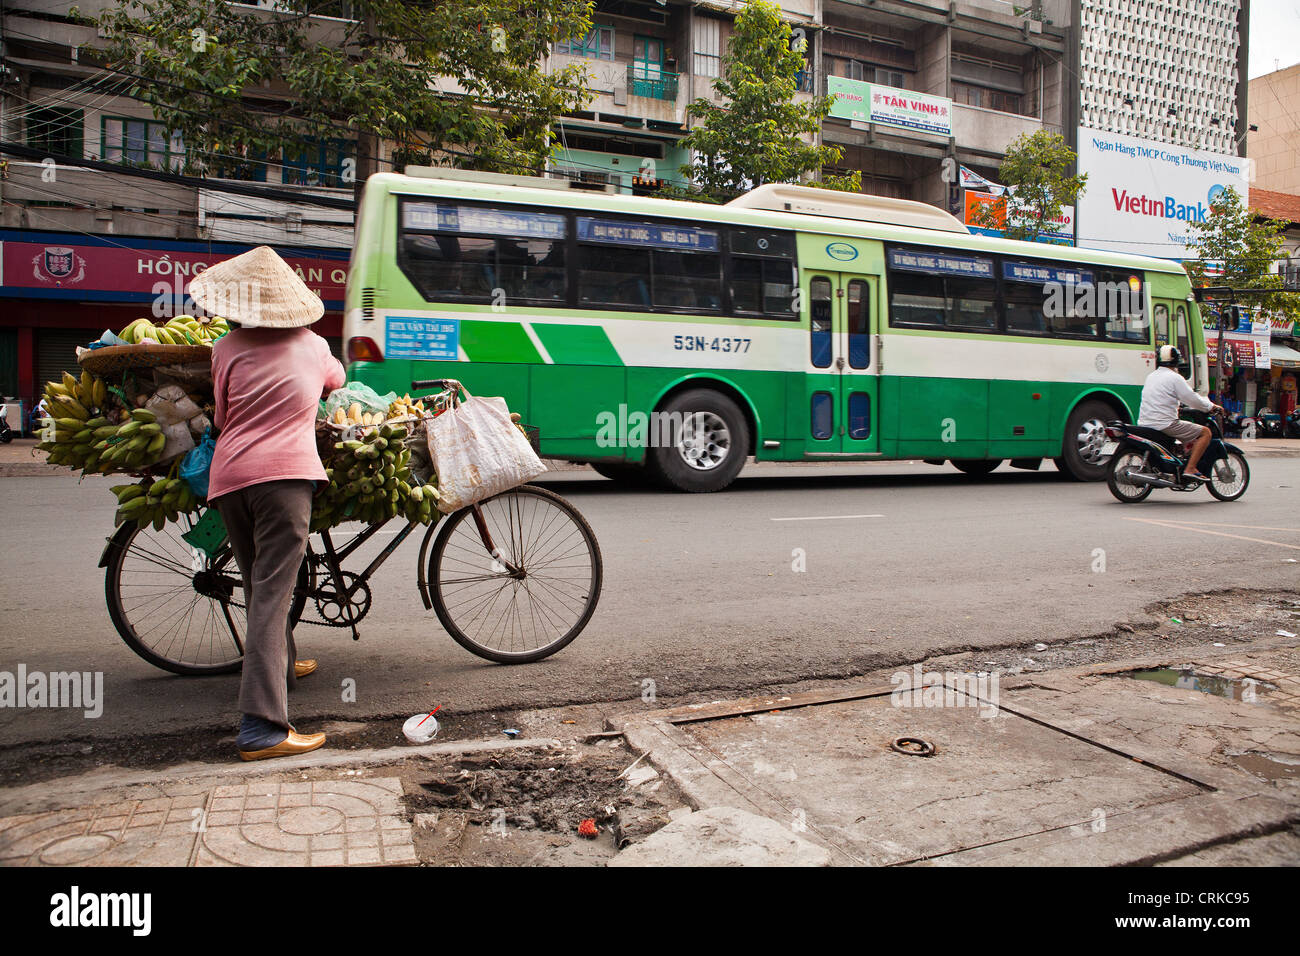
1085 436
707 442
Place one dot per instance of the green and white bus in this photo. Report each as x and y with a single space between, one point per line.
791 324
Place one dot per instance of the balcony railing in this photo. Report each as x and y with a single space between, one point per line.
648 80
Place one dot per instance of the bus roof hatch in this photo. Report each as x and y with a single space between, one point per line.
811 201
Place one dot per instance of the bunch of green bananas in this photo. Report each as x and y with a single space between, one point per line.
182 330
370 480
78 432
154 501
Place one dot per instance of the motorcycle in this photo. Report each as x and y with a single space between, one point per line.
6 433
1146 459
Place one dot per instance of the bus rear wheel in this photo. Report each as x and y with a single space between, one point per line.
710 440
1085 436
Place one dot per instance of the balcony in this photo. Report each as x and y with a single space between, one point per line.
648 80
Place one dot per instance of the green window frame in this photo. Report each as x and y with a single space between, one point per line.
317 163
57 130
598 44
131 140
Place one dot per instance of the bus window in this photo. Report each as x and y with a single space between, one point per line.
822 420
859 324
916 300
859 415
820 321
687 280
933 289
972 304
1025 309
1161 314
457 252
762 272
649 265
1184 344
1120 300
612 275
762 285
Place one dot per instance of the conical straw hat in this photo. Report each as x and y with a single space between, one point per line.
257 289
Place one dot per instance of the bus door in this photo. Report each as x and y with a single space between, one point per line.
842 387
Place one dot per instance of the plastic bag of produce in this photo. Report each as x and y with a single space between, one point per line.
194 469
478 452
356 393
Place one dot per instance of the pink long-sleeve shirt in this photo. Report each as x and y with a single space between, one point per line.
268 383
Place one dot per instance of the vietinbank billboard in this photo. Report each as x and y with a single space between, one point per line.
1141 194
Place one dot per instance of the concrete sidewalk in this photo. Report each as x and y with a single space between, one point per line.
1087 766
1080 766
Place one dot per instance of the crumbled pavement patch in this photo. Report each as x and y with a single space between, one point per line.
523 807
724 836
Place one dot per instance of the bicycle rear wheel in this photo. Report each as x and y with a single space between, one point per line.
526 615
176 607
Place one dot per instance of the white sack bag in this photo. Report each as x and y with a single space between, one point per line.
478 452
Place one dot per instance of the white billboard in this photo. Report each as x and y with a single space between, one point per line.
1141 194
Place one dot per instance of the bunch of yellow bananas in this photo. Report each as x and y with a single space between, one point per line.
154 501
370 480
403 407
78 432
182 330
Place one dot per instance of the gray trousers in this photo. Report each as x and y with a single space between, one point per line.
267 524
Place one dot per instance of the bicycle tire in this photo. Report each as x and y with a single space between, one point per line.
515 502
121 547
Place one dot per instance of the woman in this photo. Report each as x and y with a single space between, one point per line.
268 373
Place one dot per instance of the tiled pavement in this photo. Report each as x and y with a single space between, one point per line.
267 823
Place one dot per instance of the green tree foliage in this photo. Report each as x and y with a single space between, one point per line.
1036 168
755 135
1245 247
451 83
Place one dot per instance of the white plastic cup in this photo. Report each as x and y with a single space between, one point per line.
420 728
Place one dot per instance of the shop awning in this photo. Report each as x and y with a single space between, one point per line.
1284 356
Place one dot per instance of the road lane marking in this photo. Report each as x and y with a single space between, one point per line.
1221 534
826 517
1223 524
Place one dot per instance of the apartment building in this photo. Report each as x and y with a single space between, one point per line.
923 87
1274 140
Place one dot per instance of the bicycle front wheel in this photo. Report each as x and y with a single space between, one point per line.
535 596
176 607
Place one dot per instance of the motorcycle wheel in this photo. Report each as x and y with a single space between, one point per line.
1126 491
1236 487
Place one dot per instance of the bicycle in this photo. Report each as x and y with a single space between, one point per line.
528 541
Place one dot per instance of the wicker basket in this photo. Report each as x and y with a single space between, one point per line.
117 358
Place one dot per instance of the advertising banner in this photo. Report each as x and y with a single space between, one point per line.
48 265
889 106
1060 230
1141 194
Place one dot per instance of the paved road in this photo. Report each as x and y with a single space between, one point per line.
700 594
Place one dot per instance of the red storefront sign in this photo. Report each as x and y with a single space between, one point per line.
119 273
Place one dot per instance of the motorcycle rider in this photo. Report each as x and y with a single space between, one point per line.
1162 393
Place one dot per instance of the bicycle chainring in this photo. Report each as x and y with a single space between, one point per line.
334 609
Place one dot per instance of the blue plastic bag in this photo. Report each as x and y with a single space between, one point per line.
197 463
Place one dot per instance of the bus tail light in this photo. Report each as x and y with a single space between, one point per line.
362 348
